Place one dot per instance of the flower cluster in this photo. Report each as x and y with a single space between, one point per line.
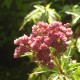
44 36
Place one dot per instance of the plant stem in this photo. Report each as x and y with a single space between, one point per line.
58 65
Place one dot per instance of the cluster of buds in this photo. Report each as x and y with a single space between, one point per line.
43 37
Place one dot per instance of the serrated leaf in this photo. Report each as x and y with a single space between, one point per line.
75 12
28 18
40 13
72 13
53 15
39 7
75 16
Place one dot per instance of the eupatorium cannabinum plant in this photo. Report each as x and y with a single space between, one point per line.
47 42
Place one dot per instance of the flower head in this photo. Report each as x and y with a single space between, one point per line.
43 37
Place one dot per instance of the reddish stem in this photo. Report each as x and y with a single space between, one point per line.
58 65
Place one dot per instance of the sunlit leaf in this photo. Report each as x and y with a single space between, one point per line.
51 77
28 18
72 13
75 19
75 12
76 75
39 74
53 15
28 54
39 7
55 78
41 13
48 6
73 66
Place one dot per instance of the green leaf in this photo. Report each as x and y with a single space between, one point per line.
53 15
43 77
48 5
55 76
33 77
29 17
51 77
28 54
76 74
39 73
73 66
75 12
72 13
75 19
39 7
41 13
41 70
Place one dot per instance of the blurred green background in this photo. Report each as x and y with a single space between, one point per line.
12 13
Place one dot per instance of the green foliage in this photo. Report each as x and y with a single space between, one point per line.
71 72
75 12
70 68
76 75
38 74
41 13
28 54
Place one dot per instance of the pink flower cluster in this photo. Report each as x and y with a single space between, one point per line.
43 37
